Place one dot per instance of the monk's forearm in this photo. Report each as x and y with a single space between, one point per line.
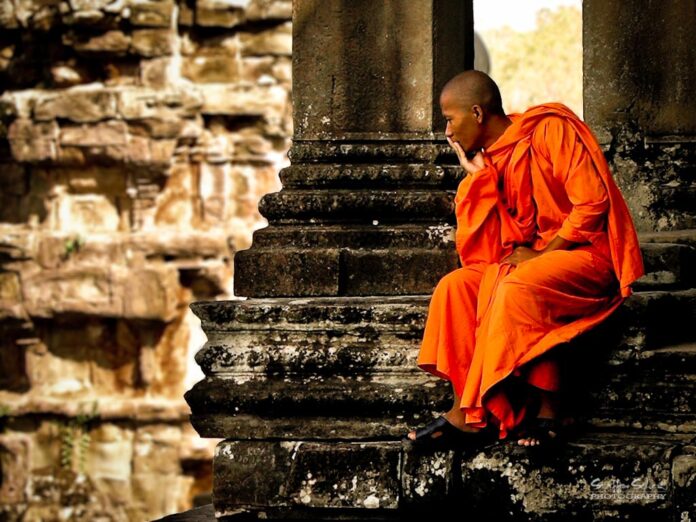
559 243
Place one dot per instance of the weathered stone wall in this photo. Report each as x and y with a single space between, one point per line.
136 138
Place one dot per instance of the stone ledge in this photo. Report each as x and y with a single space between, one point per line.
360 175
382 257
357 205
268 360
584 479
108 408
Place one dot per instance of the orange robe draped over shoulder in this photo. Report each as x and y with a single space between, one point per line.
544 176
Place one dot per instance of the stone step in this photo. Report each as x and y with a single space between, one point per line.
346 272
261 408
357 206
667 265
602 476
385 258
292 367
355 237
652 381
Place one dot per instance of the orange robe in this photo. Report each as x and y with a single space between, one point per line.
544 176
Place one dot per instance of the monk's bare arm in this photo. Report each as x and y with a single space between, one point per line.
558 243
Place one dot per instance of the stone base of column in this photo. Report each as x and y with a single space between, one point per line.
312 396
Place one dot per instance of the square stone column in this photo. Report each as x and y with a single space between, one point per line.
639 78
366 205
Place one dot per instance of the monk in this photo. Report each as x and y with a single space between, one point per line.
547 249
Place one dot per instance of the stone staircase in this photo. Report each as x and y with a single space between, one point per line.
313 395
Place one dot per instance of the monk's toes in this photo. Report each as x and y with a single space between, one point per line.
528 442
412 435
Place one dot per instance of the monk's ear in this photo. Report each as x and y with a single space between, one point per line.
477 111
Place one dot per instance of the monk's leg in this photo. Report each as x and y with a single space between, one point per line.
543 302
448 338
542 376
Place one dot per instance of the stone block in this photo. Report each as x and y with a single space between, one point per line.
220 13
211 69
162 152
255 67
275 41
305 475
390 272
137 151
428 478
157 449
244 100
45 451
51 373
667 265
684 479
110 453
33 142
186 15
138 104
113 132
357 206
79 105
149 293
146 293
152 14
8 18
14 468
112 42
87 289
269 10
610 472
153 42
10 288
300 273
157 73
345 475
88 213
368 237
157 128
113 358
95 179
157 494
282 69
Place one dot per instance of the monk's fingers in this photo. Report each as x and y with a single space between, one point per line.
461 156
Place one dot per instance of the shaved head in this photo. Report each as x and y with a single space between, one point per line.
470 88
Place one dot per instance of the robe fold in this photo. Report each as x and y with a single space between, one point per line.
544 176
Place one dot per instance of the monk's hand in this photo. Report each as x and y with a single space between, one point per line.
521 254
470 165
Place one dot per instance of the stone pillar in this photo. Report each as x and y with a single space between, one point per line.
638 87
319 365
366 206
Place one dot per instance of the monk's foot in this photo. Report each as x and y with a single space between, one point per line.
544 430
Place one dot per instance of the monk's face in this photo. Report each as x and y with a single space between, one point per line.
464 122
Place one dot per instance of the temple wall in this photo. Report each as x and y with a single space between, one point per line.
136 140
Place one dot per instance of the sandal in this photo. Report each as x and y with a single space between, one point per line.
442 434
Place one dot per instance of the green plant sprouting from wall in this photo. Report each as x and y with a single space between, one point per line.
72 245
75 439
